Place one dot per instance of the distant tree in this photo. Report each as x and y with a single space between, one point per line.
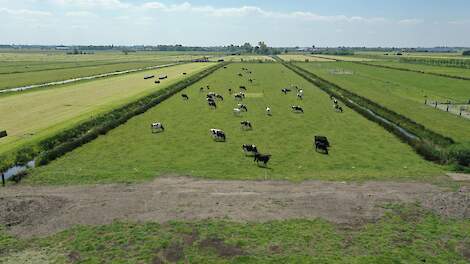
247 47
466 53
263 48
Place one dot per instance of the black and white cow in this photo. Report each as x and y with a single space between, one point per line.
297 109
243 107
217 134
212 104
268 111
157 127
338 108
239 97
262 159
219 97
249 149
246 125
185 97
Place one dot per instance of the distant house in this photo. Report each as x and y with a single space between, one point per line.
62 48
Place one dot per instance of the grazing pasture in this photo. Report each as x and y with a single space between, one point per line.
402 92
451 71
22 69
45 111
359 149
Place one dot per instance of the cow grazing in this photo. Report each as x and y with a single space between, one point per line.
250 80
285 90
262 159
184 73
243 107
219 97
338 108
249 149
157 81
230 91
240 74
148 77
217 134
185 97
243 88
212 104
268 111
239 97
157 127
246 125
300 96
297 109
322 144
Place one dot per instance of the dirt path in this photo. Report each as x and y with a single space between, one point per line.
30 211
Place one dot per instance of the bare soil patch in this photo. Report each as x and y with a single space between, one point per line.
40 211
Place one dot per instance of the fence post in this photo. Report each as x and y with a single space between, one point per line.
3 179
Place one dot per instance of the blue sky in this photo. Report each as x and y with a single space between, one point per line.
369 23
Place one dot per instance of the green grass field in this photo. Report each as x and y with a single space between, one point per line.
342 58
21 69
361 150
453 71
36 114
404 235
403 92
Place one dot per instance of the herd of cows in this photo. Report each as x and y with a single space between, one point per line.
321 142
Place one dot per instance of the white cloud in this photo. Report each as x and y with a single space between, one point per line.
23 12
80 14
86 4
410 21
460 22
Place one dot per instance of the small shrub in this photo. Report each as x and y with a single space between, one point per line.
460 154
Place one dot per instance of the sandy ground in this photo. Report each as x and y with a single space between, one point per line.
40 211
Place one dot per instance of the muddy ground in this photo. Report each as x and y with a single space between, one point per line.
40 211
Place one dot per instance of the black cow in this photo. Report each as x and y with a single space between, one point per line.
249 149
240 74
220 97
230 91
157 81
201 89
243 88
246 125
250 80
262 158
239 97
321 143
185 97
297 109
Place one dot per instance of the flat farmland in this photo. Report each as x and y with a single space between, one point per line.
342 58
402 92
35 114
360 149
246 58
453 71
22 69
301 57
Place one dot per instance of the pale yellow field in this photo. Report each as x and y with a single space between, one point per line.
32 115
236 58
302 57
342 58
